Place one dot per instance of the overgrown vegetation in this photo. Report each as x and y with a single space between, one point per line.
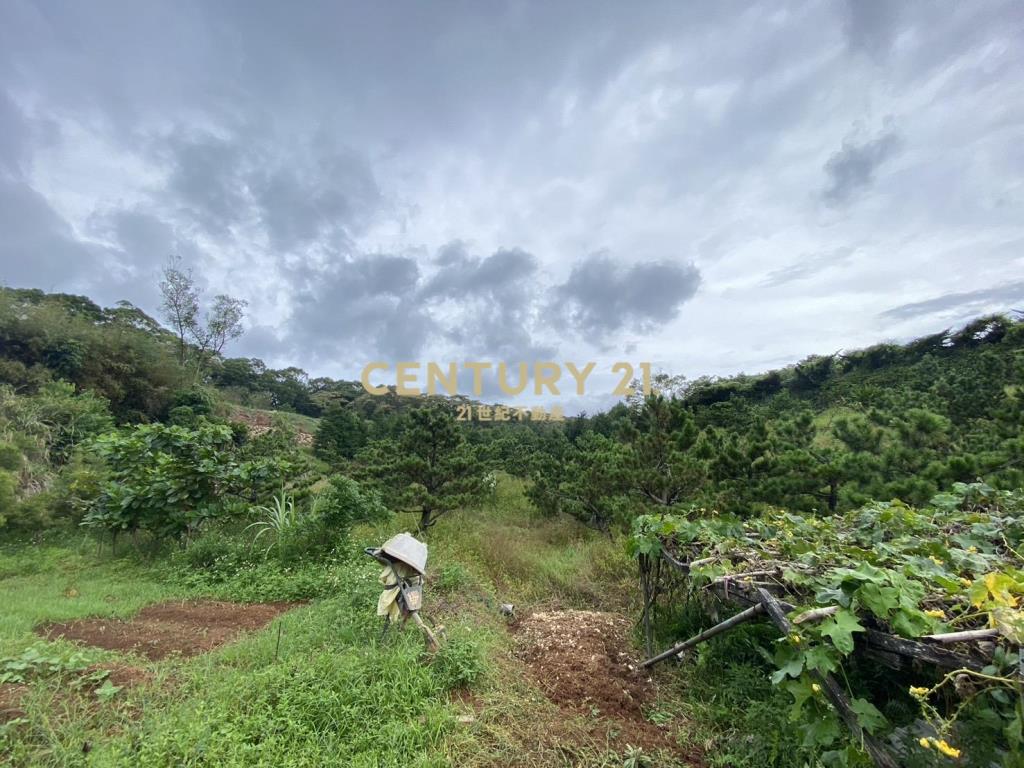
886 476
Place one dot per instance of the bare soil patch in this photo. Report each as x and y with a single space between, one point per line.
11 695
585 662
186 628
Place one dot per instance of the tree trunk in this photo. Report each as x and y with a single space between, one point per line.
425 520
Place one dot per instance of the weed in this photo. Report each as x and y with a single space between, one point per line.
40 660
279 519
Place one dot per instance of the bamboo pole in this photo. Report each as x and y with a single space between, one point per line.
707 634
963 636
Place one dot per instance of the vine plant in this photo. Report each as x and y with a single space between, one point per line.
952 566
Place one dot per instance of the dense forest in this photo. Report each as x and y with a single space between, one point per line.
146 436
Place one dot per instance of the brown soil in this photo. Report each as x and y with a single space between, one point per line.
585 662
121 675
11 695
163 629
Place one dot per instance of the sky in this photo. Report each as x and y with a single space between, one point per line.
713 188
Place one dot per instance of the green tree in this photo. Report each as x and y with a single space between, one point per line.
169 479
199 338
662 467
429 468
340 436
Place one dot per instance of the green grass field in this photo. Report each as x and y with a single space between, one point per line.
318 686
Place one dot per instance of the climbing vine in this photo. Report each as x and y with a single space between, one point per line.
954 566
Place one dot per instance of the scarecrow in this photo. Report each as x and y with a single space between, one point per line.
405 561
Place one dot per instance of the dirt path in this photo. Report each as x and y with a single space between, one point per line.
160 630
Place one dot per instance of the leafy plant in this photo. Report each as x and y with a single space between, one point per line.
280 520
40 661
170 479
950 566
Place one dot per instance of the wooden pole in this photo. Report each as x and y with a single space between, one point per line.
833 692
645 582
707 634
964 636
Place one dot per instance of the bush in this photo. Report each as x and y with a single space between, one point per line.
198 400
10 457
181 415
169 480
8 501
34 512
345 502
458 663
295 529
78 486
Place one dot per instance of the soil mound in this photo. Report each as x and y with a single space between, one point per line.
584 659
160 630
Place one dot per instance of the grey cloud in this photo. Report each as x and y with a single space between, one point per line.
38 249
498 297
207 181
363 303
13 136
852 169
871 25
497 275
1001 298
298 192
332 193
600 297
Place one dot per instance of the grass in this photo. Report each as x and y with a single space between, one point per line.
71 579
331 691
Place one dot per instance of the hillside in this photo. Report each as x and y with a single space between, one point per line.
183 533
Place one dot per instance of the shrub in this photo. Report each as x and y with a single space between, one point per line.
458 663
198 400
10 457
345 502
321 524
78 486
181 415
169 479
33 512
8 501
280 521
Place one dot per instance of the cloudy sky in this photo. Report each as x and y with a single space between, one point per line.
713 187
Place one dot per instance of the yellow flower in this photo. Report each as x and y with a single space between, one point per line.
796 639
936 614
965 582
946 749
924 743
815 687
972 550
915 691
936 560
